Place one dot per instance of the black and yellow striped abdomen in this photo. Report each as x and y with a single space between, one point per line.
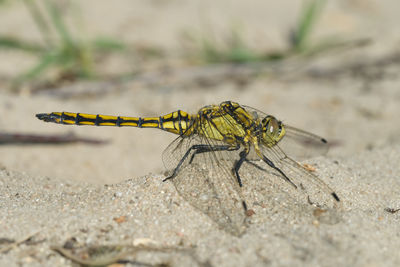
176 122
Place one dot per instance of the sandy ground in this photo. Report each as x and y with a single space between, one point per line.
112 194
145 210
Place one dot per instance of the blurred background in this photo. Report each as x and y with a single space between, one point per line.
328 67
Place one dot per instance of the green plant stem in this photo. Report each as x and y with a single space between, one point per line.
40 21
61 29
47 60
13 43
307 20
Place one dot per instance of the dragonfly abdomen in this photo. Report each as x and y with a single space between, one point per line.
176 122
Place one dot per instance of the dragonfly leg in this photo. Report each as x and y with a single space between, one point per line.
197 150
243 154
272 165
208 148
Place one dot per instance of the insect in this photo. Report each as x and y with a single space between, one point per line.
206 161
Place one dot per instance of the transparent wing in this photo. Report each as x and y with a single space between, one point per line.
298 144
302 145
316 191
205 180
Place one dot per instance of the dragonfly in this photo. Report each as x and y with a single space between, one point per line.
219 150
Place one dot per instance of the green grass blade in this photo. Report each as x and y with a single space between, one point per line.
307 20
46 61
56 18
40 21
107 44
13 43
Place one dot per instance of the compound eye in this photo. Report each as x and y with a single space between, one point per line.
273 126
266 120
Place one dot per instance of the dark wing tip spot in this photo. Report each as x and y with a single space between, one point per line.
323 140
335 197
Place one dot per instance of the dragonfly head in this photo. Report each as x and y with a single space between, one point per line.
272 130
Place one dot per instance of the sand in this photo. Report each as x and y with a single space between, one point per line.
146 210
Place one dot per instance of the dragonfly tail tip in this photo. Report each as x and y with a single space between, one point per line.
45 117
